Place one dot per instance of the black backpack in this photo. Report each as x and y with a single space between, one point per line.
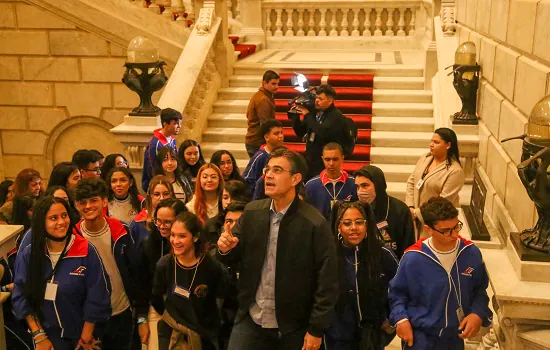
350 130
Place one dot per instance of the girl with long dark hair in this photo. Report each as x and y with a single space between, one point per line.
115 160
227 164
22 211
167 164
122 192
190 159
365 269
61 288
6 192
205 202
61 192
192 282
28 182
65 174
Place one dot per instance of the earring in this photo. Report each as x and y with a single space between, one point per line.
339 236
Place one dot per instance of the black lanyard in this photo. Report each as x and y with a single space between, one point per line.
63 253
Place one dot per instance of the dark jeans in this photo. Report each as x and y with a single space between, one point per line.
118 331
251 149
247 335
424 341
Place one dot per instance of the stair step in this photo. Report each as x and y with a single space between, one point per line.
395 83
254 68
396 155
380 95
399 189
238 120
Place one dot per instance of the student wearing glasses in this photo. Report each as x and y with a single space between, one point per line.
438 297
115 160
360 319
88 163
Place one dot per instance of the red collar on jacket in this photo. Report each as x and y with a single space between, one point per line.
117 228
418 245
160 136
141 216
79 248
325 180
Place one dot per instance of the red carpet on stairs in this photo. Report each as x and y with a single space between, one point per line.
354 98
244 49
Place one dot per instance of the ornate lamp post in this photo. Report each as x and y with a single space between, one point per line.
144 74
466 82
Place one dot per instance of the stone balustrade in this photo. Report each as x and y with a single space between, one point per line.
180 11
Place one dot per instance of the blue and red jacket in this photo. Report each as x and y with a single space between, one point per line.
138 228
320 191
157 141
83 290
255 168
423 292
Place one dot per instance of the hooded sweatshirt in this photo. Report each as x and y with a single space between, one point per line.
393 217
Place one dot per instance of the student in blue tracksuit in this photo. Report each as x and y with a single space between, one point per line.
438 296
365 267
272 132
333 183
170 120
61 288
120 258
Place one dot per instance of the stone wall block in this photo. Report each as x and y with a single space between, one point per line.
124 97
484 135
541 42
22 93
115 116
460 11
77 43
45 119
7 16
13 118
23 142
512 123
13 164
103 69
497 167
476 39
9 68
505 70
471 12
83 99
39 164
498 24
50 69
29 16
117 51
464 35
530 86
491 108
517 201
15 42
482 18
521 25
488 51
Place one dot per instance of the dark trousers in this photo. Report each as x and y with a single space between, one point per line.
247 335
118 331
251 149
54 335
424 341
165 332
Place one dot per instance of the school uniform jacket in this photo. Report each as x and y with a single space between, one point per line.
320 191
255 167
446 181
423 292
83 293
138 228
157 141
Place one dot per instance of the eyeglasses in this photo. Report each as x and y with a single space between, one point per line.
121 164
276 170
448 232
95 170
162 223
349 223
163 194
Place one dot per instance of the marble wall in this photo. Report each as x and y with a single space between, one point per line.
512 40
60 89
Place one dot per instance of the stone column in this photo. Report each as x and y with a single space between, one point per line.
252 20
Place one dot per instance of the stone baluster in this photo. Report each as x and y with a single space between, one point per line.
323 22
279 23
177 8
412 23
345 22
189 8
300 31
168 12
238 10
311 23
153 7
230 9
401 23
389 23
333 23
289 23
378 22
355 23
268 24
366 31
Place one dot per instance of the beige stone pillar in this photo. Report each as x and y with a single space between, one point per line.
252 20
223 48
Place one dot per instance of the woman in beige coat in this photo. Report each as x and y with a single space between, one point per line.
437 174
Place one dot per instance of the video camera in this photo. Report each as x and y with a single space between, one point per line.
305 99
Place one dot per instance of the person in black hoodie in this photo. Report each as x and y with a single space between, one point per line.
365 268
393 218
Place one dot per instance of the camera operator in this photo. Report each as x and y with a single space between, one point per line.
323 125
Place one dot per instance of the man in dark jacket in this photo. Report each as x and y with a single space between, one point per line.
261 108
323 125
393 218
288 281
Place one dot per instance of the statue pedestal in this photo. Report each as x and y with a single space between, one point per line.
8 234
522 260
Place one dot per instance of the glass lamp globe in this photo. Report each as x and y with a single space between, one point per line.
538 127
465 54
142 50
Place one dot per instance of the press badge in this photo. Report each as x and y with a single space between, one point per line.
419 184
382 225
182 292
51 291
312 137
460 314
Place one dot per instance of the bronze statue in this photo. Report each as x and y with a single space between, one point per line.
138 79
466 82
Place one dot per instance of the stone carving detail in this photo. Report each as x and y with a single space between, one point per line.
489 341
135 154
448 19
205 20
